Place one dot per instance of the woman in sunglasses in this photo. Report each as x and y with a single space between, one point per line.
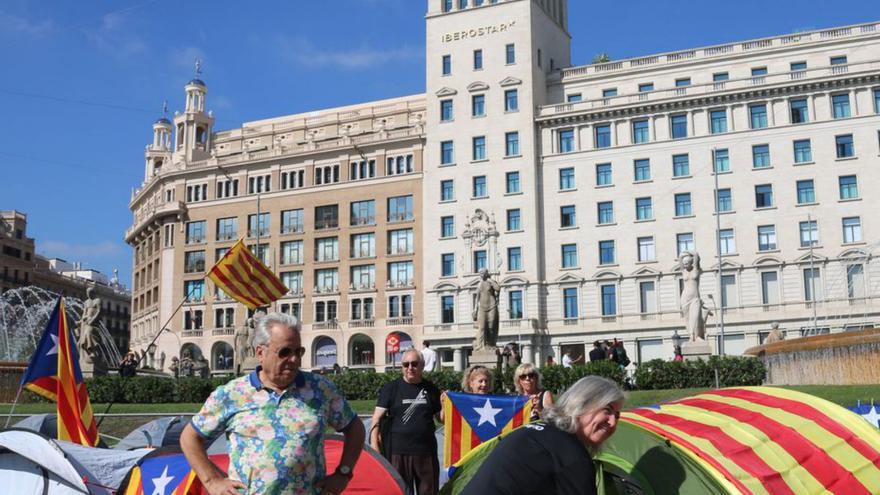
527 381
554 456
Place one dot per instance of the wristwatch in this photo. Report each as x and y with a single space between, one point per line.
344 470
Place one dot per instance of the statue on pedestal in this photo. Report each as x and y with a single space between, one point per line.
86 335
486 312
187 365
775 334
242 335
693 308
161 361
175 367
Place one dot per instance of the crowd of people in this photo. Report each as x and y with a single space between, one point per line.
601 351
276 417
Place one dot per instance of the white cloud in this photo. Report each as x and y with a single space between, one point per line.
75 252
11 23
302 52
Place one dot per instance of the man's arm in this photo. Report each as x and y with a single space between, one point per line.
374 427
213 479
351 450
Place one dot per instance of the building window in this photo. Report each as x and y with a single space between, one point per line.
681 166
447 309
679 126
647 298
803 152
400 241
363 276
726 241
193 320
398 165
723 201
719 121
480 189
194 290
292 252
761 156
512 182
400 209
513 220
605 212
809 233
646 249
515 304
766 237
194 261
569 303
511 143
683 82
640 131
642 170
198 192
566 179
514 259
573 98
763 196
259 184
447 190
509 54
567 216
758 116
603 136
569 256
844 145
566 140
447 265
511 100
447 156
606 253
849 187
644 209
720 77
446 110
646 87
447 65
877 101
258 228
769 288
798 67
684 242
400 273
806 192
195 232
363 213
327 249
840 105
363 169
683 205
855 281
609 93
479 148
478 105
852 230
481 260
609 300
478 59
227 188
799 112
447 5
603 174
462 4
327 174
812 284
728 291
447 227
227 229
721 161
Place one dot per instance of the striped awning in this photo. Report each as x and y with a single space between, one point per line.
770 441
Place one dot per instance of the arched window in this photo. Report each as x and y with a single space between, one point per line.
406 343
221 356
362 350
324 352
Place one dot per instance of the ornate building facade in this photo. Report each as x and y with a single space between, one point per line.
577 187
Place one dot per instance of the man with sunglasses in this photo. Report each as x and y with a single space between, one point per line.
412 403
274 420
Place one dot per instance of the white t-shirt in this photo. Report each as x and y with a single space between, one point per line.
566 361
430 357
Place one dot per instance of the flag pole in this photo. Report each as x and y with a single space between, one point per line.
12 409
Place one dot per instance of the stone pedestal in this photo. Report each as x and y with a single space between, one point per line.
485 357
692 351
92 369
249 364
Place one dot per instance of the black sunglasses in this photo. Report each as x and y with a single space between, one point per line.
528 375
288 352
407 364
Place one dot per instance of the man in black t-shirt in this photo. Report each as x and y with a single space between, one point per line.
598 353
412 403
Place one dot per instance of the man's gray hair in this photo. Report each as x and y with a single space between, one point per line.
414 351
588 394
262 326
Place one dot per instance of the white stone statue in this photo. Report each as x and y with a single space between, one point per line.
693 309
486 312
88 327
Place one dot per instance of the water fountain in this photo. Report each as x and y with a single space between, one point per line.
24 313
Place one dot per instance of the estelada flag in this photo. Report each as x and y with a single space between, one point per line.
241 275
471 419
54 373
167 473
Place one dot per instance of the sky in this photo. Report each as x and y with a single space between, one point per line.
82 82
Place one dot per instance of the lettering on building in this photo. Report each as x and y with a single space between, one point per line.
477 32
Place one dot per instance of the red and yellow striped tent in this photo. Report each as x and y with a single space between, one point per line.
743 440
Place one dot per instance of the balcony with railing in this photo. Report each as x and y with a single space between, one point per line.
398 321
326 289
400 217
327 223
366 323
400 283
223 332
325 325
292 228
192 333
360 220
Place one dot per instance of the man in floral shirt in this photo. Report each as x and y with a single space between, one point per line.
274 420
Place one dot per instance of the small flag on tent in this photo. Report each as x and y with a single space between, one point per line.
471 419
165 474
241 275
54 373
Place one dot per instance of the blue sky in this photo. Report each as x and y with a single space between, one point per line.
83 81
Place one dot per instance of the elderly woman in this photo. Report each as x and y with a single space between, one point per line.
527 381
477 379
554 457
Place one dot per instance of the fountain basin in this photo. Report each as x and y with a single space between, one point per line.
848 358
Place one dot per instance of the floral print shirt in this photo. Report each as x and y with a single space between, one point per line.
276 441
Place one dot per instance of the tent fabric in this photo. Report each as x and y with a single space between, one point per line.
46 425
107 466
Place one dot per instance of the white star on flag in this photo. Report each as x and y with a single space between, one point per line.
161 482
487 413
54 349
873 417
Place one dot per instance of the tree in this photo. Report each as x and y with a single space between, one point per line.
601 58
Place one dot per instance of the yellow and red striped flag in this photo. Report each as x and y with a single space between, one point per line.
241 275
54 373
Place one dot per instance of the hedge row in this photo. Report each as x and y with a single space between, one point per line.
657 374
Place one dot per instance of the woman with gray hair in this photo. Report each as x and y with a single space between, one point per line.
555 456
527 381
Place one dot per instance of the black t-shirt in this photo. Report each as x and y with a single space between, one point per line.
597 354
537 459
412 407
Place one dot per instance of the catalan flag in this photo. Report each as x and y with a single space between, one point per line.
167 473
54 373
241 275
471 419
